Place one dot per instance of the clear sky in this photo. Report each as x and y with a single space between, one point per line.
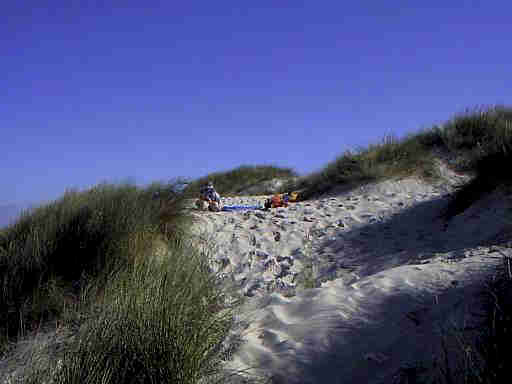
95 91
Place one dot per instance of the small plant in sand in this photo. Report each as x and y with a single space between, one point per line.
308 280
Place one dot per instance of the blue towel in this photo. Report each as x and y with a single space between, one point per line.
230 208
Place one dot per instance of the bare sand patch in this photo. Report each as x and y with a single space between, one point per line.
388 273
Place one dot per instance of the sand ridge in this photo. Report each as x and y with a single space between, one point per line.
384 263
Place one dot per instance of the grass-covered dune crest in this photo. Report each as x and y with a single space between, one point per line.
234 181
478 141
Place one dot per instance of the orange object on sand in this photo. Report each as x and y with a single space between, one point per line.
294 197
277 201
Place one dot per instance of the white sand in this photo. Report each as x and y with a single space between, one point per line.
389 274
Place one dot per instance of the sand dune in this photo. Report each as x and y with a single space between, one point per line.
388 273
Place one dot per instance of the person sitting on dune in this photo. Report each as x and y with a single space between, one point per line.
208 198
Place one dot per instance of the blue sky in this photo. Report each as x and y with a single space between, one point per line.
149 91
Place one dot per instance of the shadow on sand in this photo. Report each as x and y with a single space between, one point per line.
393 337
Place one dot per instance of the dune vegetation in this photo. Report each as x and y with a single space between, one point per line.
115 269
475 141
87 264
236 180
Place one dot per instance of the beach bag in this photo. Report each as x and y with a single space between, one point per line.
277 201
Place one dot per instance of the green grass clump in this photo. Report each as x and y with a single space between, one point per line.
45 255
484 140
477 128
162 320
238 179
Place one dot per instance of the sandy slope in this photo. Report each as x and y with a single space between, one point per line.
389 272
